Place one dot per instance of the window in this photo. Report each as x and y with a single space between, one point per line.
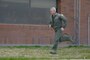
25 11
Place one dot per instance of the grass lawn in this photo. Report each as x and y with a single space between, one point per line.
42 53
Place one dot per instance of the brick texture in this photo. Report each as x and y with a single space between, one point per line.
25 34
67 8
41 34
85 11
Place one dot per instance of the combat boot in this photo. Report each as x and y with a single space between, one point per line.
53 52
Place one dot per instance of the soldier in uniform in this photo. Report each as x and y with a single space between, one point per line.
58 23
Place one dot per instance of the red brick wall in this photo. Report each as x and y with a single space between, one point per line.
67 8
41 34
35 34
25 34
85 10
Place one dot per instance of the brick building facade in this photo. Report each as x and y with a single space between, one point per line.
77 13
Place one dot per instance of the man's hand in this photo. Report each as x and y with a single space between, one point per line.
49 26
62 29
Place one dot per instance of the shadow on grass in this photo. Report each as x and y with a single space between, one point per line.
24 46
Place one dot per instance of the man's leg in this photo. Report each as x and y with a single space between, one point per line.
67 37
58 34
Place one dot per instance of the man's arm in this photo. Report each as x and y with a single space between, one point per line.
64 21
51 23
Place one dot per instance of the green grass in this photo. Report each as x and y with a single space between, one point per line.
42 53
8 58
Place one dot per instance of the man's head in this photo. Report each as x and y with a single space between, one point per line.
52 10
